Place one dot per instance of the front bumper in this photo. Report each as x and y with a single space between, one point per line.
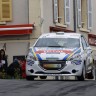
68 70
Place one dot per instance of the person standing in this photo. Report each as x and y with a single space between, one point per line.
3 61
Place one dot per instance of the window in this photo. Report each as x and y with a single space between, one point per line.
89 14
58 42
84 44
61 11
79 12
84 14
55 11
5 10
67 11
21 57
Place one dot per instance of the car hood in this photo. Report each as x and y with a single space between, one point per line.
54 53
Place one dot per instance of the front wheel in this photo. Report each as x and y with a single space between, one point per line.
29 78
82 77
90 75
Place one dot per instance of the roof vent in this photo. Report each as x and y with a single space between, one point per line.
60 33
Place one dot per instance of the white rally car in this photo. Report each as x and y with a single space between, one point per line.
60 54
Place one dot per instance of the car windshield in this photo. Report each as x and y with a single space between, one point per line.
58 42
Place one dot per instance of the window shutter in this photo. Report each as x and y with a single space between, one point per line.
6 10
89 14
67 11
55 11
79 12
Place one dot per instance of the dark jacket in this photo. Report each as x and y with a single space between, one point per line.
12 67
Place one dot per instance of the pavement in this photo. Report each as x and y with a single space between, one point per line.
47 88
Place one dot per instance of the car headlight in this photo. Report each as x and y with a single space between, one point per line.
31 58
31 55
76 59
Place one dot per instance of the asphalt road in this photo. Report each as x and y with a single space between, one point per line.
47 88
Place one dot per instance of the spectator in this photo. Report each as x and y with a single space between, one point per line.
14 69
3 61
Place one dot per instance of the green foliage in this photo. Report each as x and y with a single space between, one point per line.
17 74
4 75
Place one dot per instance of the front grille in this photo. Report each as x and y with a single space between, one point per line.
52 65
64 72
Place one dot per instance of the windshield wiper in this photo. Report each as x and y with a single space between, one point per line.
55 46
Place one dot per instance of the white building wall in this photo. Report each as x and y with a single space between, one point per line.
16 49
46 15
94 24
35 17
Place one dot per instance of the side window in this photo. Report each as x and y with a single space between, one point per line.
84 44
55 11
87 45
89 14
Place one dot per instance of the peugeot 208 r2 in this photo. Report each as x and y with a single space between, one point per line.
60 54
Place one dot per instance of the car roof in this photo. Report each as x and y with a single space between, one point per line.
60 35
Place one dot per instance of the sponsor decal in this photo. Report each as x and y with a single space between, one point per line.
68 56
53 51
77 62
76 51
33 51
68 53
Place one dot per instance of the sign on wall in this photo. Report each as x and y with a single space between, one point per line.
92 39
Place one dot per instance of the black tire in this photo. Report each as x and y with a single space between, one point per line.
83 75
80 78
90 75
29 78
43 77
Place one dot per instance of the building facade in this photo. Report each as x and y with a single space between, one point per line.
23 21
15 29
64 15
